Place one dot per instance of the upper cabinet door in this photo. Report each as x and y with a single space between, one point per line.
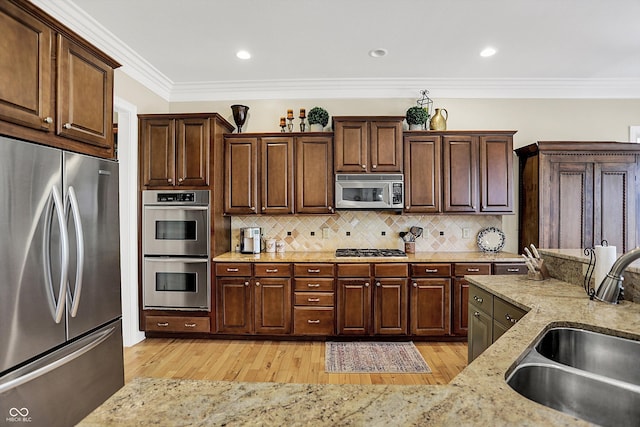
277 175
25 69
460 173
351 145
314 175
192 152
422 183
241 181
385 146
85 96
157 140
496 173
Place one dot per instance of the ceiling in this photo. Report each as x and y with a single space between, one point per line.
185 50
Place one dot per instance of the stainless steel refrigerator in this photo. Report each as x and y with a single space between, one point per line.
60 309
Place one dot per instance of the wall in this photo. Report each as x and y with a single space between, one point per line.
137 94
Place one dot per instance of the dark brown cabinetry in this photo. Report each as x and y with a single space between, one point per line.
575 194
461 293
276 173
180 324
71 108
313 299
368 144
354 299
241 175
459 172
314 174
390 301
430 299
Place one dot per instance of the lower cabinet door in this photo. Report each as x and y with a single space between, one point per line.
430 306
354 306
233 305
460 302
313 320
480 332
390 311
272 305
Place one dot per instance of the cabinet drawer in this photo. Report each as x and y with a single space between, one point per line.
313 270
462 269
313 321
310 284
313 298
391 270
512 268
177 324
430 270
233 269
275 270
505 313
481 299
354 270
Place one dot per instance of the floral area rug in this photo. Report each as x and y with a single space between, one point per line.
381 357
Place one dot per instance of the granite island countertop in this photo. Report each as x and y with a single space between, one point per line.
478 396
327 256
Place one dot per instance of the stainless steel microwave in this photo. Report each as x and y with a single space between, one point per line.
369 191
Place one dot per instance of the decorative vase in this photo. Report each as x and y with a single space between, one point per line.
415 127
239 115
439 121
316 127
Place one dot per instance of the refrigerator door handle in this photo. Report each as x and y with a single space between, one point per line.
74 298
58 311
73 353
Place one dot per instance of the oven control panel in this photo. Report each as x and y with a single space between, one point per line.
180 197
176 197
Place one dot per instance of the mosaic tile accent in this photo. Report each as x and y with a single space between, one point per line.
367 229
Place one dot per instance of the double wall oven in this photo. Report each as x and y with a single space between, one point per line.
175 244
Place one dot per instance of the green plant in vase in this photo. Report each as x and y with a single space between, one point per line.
318 118
417 117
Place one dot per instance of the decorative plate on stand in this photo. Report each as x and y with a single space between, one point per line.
491 239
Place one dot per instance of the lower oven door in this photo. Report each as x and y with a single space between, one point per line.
176 283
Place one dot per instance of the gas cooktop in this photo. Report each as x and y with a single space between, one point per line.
370 253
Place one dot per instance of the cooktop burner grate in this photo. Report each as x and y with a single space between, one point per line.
349 252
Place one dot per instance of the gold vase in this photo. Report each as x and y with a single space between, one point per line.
439 121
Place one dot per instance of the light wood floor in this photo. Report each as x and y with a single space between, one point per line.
274 361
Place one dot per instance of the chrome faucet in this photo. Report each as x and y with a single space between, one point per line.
611 290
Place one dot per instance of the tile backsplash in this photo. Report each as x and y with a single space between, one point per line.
367 229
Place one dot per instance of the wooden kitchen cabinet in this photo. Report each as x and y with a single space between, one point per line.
460 173
496 173
70 109
430 297
241 175
368 144
314 175
233 305
390 299
575 194
423 176
272 305
276 172
460 317
314 299
354 299
480 313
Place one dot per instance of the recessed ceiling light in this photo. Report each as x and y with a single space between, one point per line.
243 54
378 53
488 51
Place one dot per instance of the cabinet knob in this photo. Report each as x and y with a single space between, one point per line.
366 284
253 208
48 120
264 209
374 166
169 180
415 285
180 179
378 284
510 319
407 207
246 283
330 209
257 283
67 125
476 313
477 299
364 166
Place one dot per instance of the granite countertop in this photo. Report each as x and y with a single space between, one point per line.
479 395
331 257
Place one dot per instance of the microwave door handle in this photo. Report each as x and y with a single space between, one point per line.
55 202
181 260
74 299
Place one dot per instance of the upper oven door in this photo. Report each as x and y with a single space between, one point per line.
175 230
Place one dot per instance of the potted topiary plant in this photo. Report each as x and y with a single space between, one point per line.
416 118
318 119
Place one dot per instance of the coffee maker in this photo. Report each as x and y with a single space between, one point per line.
250 240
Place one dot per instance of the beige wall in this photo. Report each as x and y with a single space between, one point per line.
533 119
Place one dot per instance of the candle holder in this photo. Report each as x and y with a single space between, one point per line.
290 125
283 124
239 115
302 124
282 127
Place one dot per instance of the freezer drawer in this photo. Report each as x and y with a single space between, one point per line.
63 387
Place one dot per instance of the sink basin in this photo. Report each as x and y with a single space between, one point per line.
608 355
586 374
577 394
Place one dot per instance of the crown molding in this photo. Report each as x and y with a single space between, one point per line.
134 65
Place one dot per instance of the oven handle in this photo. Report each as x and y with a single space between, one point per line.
182 260
177 208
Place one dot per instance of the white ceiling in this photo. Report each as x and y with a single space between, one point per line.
185 50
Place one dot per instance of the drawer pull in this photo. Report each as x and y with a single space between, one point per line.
473 270
312 270
271 270
313 321
313 285
313 299
189 325
513 270
510 319
478 299
163 324
232 270
430 270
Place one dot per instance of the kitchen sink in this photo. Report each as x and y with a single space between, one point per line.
608 355
586 374
578 394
